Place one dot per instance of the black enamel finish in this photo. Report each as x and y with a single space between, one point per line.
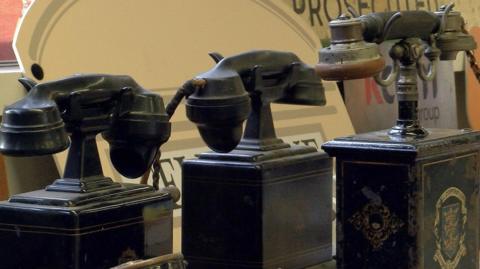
85 220
243 86
58 230
265 204
250 209
132 120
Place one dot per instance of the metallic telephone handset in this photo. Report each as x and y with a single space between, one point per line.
354 54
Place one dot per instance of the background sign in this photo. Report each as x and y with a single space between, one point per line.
319 12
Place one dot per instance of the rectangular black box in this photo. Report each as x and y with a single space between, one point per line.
254 209
407 203
58 230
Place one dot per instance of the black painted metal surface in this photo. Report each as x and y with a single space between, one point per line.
407 202
250 209
85 220
132 120
243 86
57 230
265 204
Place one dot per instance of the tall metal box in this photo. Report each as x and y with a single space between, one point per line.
407 202
257 209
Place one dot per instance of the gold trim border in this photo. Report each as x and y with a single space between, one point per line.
78 231
462 251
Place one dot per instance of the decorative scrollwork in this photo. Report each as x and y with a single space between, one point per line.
377 223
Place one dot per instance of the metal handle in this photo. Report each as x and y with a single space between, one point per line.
446 11
390 78
174 259
388 26
353 12
432 70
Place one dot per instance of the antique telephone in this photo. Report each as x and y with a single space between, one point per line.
242 87
354 53
403 195
85 214
253 181
132 120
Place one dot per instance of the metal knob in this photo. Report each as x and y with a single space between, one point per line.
349 56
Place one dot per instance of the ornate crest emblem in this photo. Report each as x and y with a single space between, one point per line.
450 221
377 223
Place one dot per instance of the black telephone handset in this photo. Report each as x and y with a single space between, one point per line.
131 119
243 86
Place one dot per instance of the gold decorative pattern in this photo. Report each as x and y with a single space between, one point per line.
127 255
377 223
450 221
